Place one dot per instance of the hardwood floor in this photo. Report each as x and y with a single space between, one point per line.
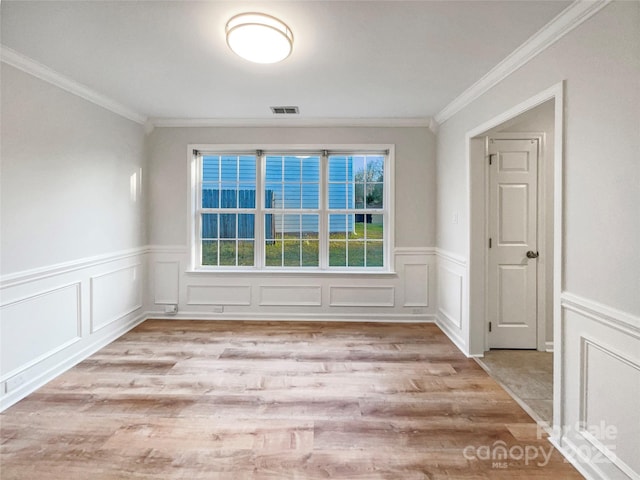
258 400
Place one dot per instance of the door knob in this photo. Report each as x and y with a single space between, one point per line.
532 254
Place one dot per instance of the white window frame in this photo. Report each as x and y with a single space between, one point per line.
194 205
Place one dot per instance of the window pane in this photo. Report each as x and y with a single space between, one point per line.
292 169
273 254
359 196
291 226
210 225
337 226
245 253
310 227
356 253
292 253
337 195
270 227
273 169
337 253
210 168
375 168
337 169
247 195
228 252
311 169
310 255
310 195
228 195
228 225
273 195
209 252
292 195
246 225
374 195
210 195
375 227
247 168
375 254
229 168
358 231
358 166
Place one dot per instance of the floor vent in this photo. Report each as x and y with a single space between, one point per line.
285 110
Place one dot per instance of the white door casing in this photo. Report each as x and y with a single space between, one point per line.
512 276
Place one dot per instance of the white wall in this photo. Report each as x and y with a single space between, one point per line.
600 64
73 231
66 173
407 295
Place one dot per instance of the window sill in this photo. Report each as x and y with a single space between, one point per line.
286 273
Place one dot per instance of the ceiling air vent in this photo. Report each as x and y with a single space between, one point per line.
285 110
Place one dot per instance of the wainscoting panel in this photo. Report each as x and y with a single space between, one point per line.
403 295
361 296
601 385
115 294
416 277
451 316
290 295
218 295
450 296
166 277
599 365
25 320
54 317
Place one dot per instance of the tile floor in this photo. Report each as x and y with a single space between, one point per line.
527 375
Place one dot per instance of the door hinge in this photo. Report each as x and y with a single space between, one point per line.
490 243
489 327
491 158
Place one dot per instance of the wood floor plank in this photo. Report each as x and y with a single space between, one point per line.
272 400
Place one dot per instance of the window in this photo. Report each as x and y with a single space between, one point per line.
291 210
228 210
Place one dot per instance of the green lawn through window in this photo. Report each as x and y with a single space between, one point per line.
345 249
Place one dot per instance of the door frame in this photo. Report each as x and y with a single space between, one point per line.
541 226
473 307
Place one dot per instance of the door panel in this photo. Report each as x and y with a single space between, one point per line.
512 214
513 186
512 286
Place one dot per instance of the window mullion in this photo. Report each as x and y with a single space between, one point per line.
258 230
323 220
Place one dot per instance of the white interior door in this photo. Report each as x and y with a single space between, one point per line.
512 272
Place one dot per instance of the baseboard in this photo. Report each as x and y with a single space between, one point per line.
452 335
572 455
35 383
548 346
302 317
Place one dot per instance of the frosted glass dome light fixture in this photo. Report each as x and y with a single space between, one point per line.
259 38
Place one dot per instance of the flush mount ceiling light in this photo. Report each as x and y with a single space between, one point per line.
259 38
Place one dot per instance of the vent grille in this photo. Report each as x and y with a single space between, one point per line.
285 110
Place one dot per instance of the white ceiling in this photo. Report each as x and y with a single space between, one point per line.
351 59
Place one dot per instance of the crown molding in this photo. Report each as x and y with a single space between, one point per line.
563 23
291 122
38 70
